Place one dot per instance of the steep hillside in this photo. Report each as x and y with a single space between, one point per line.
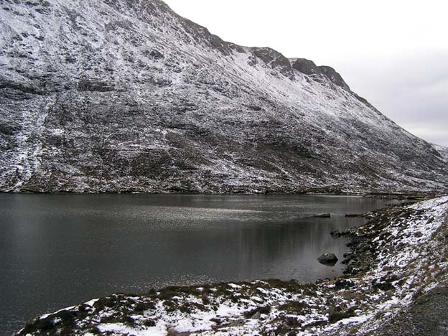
125 95
443 151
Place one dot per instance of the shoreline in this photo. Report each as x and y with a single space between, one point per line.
415 196
392 263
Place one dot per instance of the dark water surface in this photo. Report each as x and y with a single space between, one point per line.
61 250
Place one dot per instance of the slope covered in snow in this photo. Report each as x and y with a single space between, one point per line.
443 151
125 95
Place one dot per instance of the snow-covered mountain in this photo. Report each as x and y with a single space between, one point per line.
125 95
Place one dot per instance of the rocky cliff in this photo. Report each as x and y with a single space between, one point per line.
125 95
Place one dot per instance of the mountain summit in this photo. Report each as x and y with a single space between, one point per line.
125 95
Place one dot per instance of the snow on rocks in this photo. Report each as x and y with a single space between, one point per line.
399 254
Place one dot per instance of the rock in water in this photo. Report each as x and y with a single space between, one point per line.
125 95
322 215
328 259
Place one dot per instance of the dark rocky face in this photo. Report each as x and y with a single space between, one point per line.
322 72
128 96
305 66
333 76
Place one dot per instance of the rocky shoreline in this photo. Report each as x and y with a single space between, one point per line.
398 256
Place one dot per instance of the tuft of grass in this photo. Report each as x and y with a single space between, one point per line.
294 308
336 315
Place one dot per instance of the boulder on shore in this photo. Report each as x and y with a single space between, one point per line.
328 259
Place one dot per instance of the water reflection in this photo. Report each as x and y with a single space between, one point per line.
59 250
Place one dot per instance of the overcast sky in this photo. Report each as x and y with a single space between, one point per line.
392 52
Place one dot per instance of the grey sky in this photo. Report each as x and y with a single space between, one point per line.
394 53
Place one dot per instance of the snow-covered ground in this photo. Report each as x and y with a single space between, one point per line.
400 254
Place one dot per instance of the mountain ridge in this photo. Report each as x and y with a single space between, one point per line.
115 96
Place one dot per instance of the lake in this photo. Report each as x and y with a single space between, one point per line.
60 250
